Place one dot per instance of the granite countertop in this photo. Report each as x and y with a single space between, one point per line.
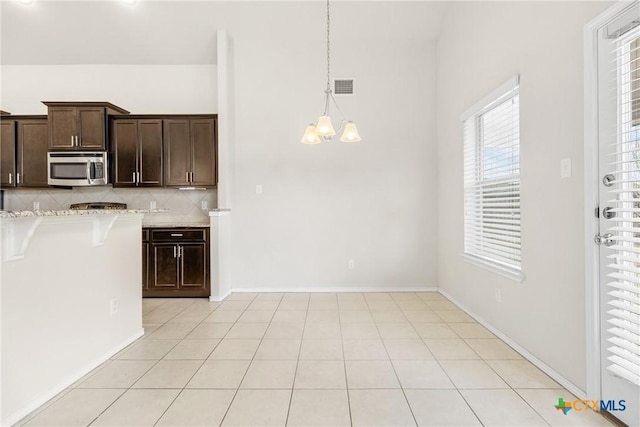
77 212
175 224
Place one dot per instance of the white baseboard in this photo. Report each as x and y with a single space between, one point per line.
338 289
571 387
218 298
65 383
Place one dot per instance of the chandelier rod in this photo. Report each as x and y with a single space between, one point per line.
328 48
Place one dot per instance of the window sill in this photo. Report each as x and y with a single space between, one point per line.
512 274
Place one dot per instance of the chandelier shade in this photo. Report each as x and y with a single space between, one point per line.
325 127
350 133
310 135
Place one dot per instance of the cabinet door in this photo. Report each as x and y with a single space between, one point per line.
62 128
91 132
193 267
150 152
145 265
203 152
8 153
125 149
33 143
165 266
177 152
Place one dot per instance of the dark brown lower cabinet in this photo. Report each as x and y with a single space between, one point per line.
145 259
178 263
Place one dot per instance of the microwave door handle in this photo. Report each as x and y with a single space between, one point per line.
89 173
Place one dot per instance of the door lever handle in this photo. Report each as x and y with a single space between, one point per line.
605 239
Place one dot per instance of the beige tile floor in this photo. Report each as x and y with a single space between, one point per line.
321 359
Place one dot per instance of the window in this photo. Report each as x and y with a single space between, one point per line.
492 235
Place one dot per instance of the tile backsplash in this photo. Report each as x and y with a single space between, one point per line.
185 206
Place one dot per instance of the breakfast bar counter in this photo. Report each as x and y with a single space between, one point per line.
70 298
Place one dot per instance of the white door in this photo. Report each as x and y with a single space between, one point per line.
619 213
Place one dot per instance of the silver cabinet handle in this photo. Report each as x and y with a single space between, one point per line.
77 141
176 234
10 178
18 178
133 177
180 251
175 255
138 180
191 176
186 176
72 143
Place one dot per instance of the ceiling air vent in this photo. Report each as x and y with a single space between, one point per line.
343 86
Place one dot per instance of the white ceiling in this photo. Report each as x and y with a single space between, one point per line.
184 32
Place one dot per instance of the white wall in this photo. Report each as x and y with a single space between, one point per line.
140 89
481 46
322 205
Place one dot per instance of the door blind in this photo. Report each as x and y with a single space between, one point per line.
492 183
623 270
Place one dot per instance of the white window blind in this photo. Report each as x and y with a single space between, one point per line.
492 181
623 315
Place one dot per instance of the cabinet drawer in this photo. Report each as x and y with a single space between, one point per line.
178 234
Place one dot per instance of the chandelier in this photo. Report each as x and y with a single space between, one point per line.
322 129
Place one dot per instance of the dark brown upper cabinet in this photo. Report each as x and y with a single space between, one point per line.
137 152
190 152
23 154
32 152
8 153
79 125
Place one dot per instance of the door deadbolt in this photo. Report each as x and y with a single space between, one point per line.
608 213
608 179
604 239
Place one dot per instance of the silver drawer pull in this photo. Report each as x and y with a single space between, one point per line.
176 234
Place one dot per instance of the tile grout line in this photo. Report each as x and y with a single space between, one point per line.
344 360
293 385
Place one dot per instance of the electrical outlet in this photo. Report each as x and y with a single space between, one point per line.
36 206
152 204
352 264
204 205
258 189
498 295
113 307
565 168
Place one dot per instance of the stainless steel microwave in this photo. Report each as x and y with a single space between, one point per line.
75 169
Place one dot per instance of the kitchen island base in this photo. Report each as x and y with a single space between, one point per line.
70 299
